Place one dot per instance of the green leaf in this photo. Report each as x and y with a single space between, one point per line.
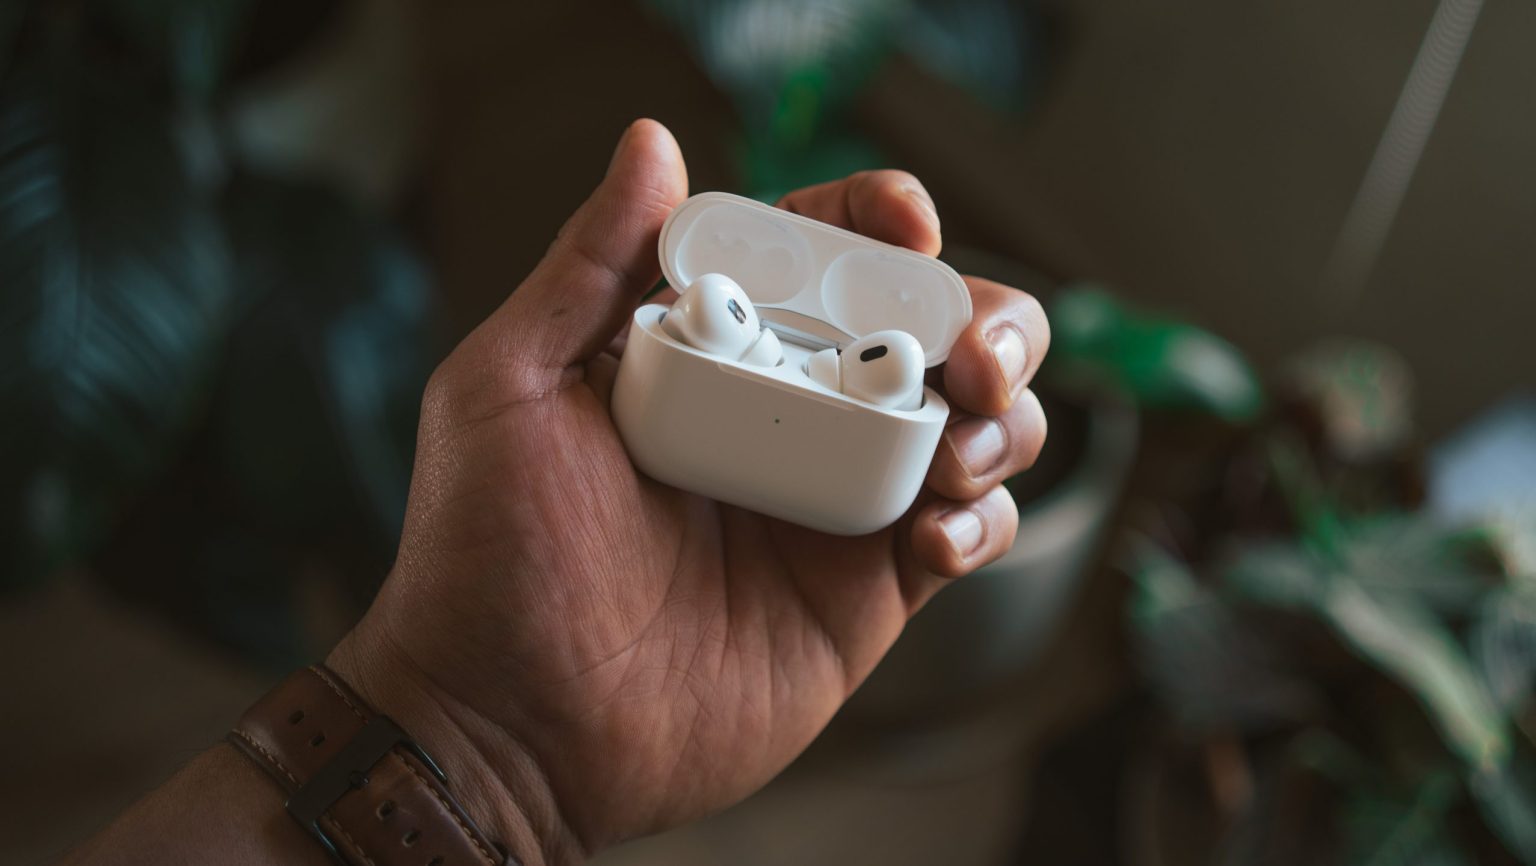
1209 665
1407 644
1416 560
302 470
1380 830
1398 557
1164 364
1504 644
116 299
1280 574
1326 753
1379 584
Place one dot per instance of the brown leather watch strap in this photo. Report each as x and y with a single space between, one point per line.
361 786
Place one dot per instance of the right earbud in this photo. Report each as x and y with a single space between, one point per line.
884 368
714 315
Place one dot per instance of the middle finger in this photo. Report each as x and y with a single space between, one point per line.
978 452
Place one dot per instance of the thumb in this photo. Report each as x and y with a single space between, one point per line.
583 292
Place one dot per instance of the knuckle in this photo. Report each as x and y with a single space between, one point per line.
950 478
956 484
439 383
440 396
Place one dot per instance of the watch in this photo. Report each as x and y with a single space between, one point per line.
361 786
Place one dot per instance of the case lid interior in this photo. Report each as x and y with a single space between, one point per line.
815 278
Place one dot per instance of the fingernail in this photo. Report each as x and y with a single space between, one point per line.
1009 351
925 203
963 528
978 443
618 149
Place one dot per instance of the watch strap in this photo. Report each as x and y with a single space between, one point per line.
359 784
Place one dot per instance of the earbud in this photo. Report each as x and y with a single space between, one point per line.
884 368
714 315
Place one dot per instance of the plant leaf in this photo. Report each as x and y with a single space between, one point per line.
1504 644
297 489
1275 573
1384 831
1164 364
1416 560
1407 644
1210 667
116 298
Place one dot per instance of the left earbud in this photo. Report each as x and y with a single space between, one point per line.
884 368
714 315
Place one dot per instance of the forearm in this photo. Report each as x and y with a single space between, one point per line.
225 807
221 808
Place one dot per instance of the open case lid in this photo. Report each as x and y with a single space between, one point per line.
811 277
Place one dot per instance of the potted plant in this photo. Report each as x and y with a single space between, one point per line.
1328 672
971 645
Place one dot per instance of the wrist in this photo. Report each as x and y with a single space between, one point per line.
494 778
220 808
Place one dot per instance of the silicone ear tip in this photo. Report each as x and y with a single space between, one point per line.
765 352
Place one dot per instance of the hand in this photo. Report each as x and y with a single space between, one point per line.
611 656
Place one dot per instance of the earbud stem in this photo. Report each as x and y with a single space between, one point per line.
765 351
826 370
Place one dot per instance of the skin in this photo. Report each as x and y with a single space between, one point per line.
593 655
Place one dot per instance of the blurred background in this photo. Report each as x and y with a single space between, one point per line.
1273 598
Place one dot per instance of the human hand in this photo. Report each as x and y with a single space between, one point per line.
602 655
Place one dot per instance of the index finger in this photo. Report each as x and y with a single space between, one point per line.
887 205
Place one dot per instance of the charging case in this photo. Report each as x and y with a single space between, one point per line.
770 439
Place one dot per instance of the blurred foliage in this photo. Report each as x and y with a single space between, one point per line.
213 374
117 296
795 67
1161 363
1299 606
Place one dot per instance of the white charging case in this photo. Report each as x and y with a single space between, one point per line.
769 439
